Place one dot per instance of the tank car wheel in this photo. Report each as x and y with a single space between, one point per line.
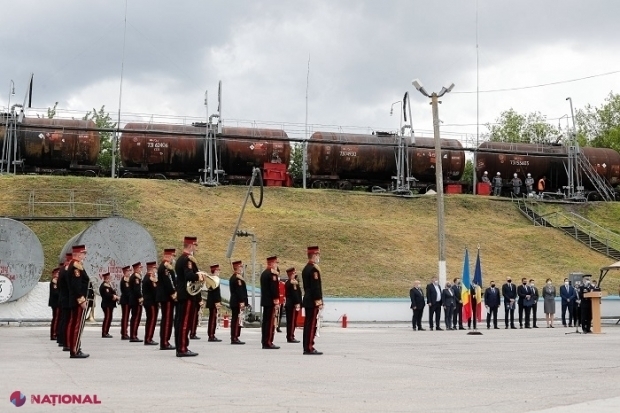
128 175
90 173
345 185
317 184
159 176
58 172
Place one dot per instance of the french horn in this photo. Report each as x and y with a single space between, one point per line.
211 282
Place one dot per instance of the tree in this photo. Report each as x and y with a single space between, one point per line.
600 127
468 172
51 112
296 165
103 120
515 127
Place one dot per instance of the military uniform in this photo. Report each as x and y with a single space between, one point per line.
214 299
586 308
312 301
108 304
63 302
149 286
186 270
125 308
293 300
166 296
238 301
135 302
52 302
269 296
78 291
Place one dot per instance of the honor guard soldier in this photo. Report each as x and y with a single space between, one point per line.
586 305
282 297
186 270
53 304
292 304
108 304
78 293
214 301
135 302
270 301
196 317
166 296
313 298
63 301
149 287
238 301
125 308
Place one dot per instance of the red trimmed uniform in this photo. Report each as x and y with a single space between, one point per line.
238 296
269 291
292 306
313 297
125 308
53 303
135 302
108 304
78 290
166 295
214 297
150 307
186 269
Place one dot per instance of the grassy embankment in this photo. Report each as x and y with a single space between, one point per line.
372 246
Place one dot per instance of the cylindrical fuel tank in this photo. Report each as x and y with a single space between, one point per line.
111 244
373 163
47 143
422 159
605 161
239 149
21 256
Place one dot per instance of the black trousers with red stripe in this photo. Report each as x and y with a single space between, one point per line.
267 326
182 324
136 315
61 333
74 329
125 308
291 322
55 322
212 322
107 320
235 328
165 324
310 327
151 320
195 314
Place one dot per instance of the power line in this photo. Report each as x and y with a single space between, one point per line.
540 85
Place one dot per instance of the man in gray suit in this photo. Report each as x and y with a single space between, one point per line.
449 304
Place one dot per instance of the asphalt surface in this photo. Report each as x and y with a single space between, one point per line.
365 368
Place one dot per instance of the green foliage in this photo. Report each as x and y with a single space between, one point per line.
468 173
103 120
296 165
515 127
51 112
600 126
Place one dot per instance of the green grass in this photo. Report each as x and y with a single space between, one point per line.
372 245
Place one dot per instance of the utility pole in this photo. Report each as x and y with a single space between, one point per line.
442 272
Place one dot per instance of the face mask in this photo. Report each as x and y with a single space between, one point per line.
509 281
435 282
548 282
566 283
524 282
493 285
532 284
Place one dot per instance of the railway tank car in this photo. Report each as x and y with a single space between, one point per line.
342 160
56 145
543 160
179 150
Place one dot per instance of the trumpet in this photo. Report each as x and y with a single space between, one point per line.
319 317
210 282
276 316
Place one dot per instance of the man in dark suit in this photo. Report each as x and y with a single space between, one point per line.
534 292
417 305
449 303
433 299
525 303
491 302
458 310
567 292
509 292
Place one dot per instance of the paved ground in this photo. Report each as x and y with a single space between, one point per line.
364 369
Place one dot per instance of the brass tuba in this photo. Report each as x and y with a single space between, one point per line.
211 282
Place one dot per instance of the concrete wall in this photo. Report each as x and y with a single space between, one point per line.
33 307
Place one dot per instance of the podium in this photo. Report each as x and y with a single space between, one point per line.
595 298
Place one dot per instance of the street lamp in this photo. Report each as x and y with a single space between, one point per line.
438 173
400 125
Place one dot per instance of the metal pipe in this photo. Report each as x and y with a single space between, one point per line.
439 184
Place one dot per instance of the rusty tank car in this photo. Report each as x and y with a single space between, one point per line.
179 150
57 145
543 160
343 160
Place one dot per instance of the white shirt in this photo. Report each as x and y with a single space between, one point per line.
438 299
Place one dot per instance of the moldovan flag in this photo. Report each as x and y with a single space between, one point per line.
478 282
465 289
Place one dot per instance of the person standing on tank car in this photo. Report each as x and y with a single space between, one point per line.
529 184
497 184
516 184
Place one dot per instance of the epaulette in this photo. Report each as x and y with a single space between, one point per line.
168 266
316 267
192 259
78 265
294 282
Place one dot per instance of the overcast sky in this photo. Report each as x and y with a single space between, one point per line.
363 56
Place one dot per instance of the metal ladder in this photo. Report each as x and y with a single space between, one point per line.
601 185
